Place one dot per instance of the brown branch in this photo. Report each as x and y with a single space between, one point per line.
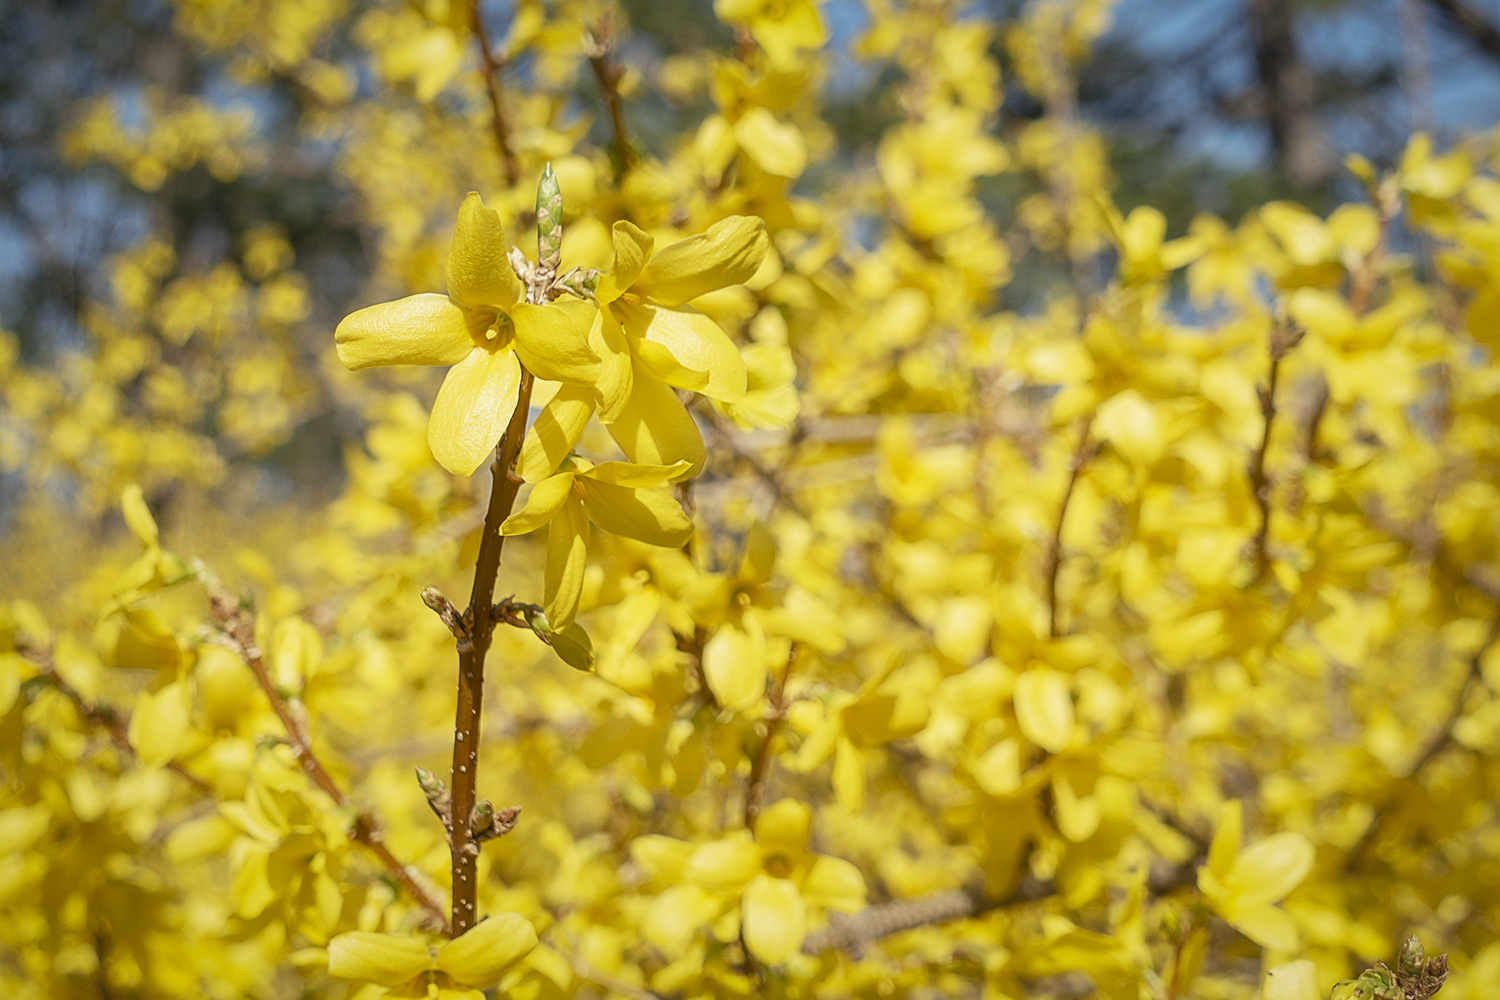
237 622
1479 30
102 716
850 933
779 492
1439 743
1284 337
498 119
1081 455
479 620
598 43
755 787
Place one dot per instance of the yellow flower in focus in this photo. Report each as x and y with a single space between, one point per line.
460 969
622 499
481 328
651 343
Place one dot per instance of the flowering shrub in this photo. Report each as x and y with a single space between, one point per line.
883 640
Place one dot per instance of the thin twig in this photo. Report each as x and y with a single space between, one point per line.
1081 456
779 491
1439 743
498 119
598 43
849 933
1284 337
102 716
755 787
237 622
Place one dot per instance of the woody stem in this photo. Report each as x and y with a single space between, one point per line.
471 652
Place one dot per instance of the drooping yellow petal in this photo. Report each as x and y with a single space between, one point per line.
478 273
418 330
632 249
554 432
545 501
472 409
552 346
688 350
376 958
775 919
480 955
653 427
648 515
728 253
567 558
636 476
616 374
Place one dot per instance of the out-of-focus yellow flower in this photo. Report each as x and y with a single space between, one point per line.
1243 885
481 328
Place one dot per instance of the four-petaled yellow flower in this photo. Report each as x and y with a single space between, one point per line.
460 969
621 498
484 330
651 343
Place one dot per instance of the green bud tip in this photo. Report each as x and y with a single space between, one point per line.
549 220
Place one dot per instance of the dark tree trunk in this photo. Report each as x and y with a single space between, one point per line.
1290 99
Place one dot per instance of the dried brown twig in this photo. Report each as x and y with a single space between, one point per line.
500 122
236 620
1081 457
1284 337
598 43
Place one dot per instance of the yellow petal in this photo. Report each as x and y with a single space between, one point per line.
728 253
472 408
376 958
616 375
849 775
650 514
776 147
554 432
138 516
653 427
1044 709
835 884
775 919
632 250
1269 869
1227 836
159 724
676 916
688 350
723 865
1292 981
998 770
567 558
479 956
417 330
1264 924
636 476
478 273
543 504
734 663
552 346
783 827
